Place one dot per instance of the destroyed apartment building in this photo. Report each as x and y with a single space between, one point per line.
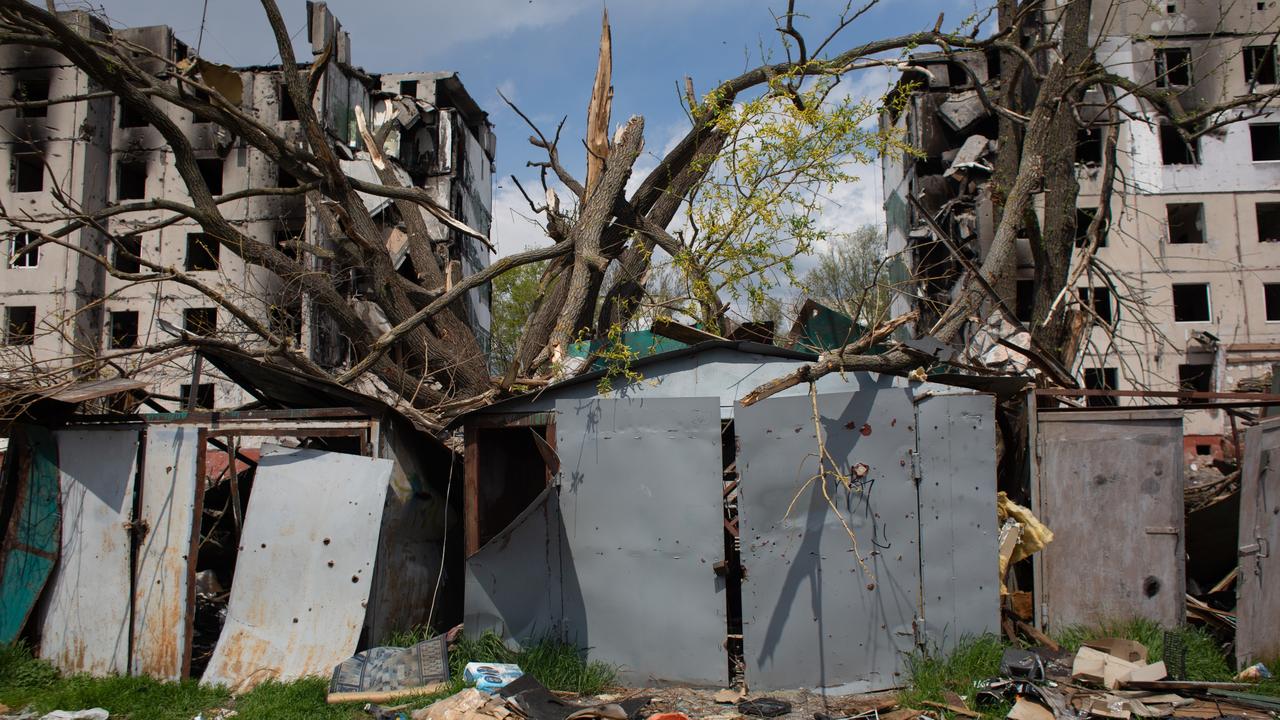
1194 235
59 306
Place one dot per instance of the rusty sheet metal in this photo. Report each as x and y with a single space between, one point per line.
305 568
94 389
1258 602
164 593
1102 478
958 545
30 543
812 615
641 498
85 613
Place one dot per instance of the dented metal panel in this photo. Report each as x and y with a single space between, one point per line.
958 544
513 582
1258 602
641 497
85 614
305 568
812 616
164 571
1106 480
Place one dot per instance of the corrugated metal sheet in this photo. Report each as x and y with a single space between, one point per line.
304 574
1110 487
958 533
30 545
164 570
811 615
641 499
513 583
1258 592
86 609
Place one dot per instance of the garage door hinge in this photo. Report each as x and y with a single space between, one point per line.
1261 548
915 465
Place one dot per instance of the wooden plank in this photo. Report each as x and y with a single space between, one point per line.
951 708
471 491
669 328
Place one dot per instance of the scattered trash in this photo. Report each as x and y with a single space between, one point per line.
1034 536
386 673
386 713
728 696
532 700
1254 672
764 707
470 704
489 677
90 714
669 716
1026 710
1119 647
1021 664
219 714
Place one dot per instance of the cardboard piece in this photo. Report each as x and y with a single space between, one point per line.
1130 650
1110 671
1027 710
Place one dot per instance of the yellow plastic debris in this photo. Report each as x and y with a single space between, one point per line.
1035 534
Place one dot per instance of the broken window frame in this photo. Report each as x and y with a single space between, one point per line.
127 117
1182 316
1174 150
212 171
16 320
202 253
26 260
201 321
1099 300
1084 218
1261 144
1179 74
1195 377
1259 64
27 169
122 262
1271 301
1100 378
1263 210
122 329
286 110
1176 230
131 179
206 396
22 86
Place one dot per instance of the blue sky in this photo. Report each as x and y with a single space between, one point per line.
542 55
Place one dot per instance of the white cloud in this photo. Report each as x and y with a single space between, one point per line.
515 227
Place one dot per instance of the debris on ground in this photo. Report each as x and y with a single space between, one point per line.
1254 672
382 674
90 714
766 707
490 677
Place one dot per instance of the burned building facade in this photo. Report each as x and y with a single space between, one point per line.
61 306
1190 296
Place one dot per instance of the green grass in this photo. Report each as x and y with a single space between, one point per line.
26 681
979 658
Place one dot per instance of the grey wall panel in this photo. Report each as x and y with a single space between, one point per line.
1110 488
958 532
812 617
84 623
641 496
1258 591
513 582
165 566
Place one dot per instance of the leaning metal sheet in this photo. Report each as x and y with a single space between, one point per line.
958 543
85 614
1258 607
513 582
641 496
812 616
303 576
164 570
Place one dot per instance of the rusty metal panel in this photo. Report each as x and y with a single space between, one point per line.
641 497
958 544
164 570
1110 488
85 613
1258 601
513 582
305 569
29 546
813 617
